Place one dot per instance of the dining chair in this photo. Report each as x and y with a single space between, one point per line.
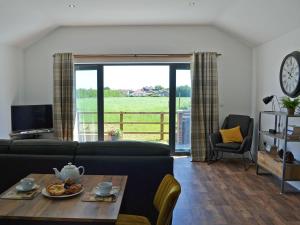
164 201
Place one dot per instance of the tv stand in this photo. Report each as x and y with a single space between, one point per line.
32 134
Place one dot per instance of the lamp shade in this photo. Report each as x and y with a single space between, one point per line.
268 99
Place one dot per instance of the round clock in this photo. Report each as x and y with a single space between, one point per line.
290 74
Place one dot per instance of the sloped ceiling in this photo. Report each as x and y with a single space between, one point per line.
22 22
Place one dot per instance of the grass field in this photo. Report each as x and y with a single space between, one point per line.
130 104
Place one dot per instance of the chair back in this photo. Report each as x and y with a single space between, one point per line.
245 123
165 199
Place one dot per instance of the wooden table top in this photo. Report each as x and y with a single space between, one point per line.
71 209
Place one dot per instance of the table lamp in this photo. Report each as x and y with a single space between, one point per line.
269 99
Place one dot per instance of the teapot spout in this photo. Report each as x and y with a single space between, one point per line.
57 173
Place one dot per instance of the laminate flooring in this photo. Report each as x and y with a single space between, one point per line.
223 193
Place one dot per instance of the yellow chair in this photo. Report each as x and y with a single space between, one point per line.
164 201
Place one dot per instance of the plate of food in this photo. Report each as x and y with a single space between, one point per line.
62 190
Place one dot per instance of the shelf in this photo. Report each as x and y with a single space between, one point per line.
281 136
278 113
274 166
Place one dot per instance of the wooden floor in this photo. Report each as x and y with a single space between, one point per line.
223 193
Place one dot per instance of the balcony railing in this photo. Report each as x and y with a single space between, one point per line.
88 129
161 122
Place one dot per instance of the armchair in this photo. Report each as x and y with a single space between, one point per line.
217 145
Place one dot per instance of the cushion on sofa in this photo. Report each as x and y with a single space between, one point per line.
43 147
123 148
4 146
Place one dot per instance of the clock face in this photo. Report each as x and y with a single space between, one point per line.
289 75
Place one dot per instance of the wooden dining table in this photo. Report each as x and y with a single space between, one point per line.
43 210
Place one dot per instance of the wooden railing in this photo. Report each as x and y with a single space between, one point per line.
162 122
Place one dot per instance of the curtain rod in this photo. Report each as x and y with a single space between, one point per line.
135 55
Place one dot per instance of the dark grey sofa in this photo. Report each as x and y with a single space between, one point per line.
145 164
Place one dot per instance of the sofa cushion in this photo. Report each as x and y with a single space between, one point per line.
43 147
123 148
4 146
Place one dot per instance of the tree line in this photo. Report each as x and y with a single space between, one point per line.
181 91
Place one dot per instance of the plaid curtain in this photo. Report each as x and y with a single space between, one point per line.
63 97
205 103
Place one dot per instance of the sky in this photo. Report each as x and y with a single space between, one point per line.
131 77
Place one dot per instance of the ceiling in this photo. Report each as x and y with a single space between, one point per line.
252 21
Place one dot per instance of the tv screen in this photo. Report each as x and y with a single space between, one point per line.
31 117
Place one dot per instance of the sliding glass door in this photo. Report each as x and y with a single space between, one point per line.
183 110
136 102
87 98
148 102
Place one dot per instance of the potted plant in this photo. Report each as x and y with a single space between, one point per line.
114 134
290 104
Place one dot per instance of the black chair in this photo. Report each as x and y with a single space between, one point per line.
217 145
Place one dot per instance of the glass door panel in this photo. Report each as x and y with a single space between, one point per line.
136 102
183 110
86 121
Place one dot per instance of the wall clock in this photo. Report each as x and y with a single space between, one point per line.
290 74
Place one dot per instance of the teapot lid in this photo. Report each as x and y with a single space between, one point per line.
69 166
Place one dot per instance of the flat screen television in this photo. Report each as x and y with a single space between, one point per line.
31 117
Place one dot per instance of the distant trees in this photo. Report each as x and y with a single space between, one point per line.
92 93
114 93
86 93
158 90
183 91
158 87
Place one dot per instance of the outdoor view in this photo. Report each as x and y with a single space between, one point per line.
136 103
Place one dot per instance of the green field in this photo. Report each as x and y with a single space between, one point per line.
130 104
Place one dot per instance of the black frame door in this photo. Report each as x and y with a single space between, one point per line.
172 105
100 105
172 94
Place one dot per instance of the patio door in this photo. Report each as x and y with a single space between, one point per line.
147 102
183 109
88 81
136 102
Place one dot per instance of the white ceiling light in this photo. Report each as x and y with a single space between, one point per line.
192 4
72 6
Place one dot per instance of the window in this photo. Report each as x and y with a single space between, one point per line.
146 101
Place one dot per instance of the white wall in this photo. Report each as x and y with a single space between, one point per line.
235 65
268 58
11 63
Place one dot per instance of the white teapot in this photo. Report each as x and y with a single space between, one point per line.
69 172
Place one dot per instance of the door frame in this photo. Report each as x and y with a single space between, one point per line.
173 67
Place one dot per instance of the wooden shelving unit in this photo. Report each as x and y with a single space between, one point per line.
272 163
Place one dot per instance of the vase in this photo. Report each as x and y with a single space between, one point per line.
291 111
114 138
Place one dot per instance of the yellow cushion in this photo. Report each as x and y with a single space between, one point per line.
125 219
231 135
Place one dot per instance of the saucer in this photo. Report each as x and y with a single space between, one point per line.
20 188
112 192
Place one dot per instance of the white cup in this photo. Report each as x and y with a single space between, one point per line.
104 188
27 184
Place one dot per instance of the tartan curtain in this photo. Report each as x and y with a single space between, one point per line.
63 96
205 103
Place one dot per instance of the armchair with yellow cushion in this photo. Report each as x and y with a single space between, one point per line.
164 201
235 136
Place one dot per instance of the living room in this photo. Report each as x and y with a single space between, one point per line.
250 41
